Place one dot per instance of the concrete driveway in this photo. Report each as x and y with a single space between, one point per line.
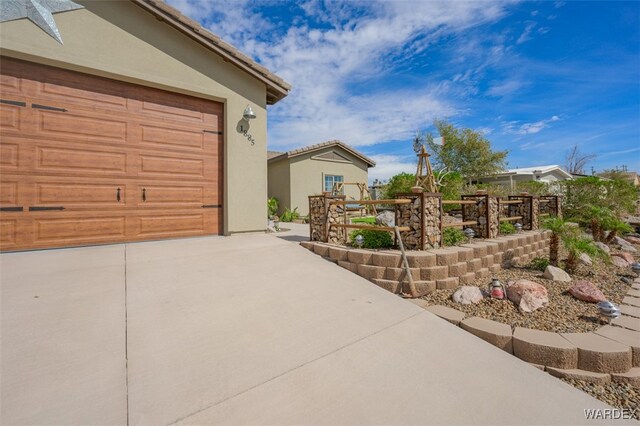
249 329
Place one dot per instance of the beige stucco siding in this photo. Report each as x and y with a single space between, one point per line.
279 183
118 40
307 176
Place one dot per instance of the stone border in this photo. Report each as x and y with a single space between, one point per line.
444 268
611 353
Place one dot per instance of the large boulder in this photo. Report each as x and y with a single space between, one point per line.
619 261
556 274
528 295
467 295
632 239
626 256
602 246
585 259
386 218
625 245
587 292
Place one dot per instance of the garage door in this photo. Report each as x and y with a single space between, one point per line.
86 160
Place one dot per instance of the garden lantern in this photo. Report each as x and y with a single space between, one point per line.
469 232
608 310
497 289
635 267
359 240
518 227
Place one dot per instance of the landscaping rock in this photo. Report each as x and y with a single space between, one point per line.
625 245
587 292
556 274
632 239
619 262
602 246
528 295
585 259
626 256
467 295
386 218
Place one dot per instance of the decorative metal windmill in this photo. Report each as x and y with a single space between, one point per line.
424 173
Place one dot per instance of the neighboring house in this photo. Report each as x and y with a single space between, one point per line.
511 177
131 130
294 175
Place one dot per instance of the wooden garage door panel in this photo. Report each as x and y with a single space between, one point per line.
184 224
85 161
8 156
81 127
82 94
80 195
10 117
170 137
8 232
76 230
112 138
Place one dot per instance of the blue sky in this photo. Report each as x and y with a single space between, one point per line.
535 77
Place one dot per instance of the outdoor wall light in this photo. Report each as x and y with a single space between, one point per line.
359 240
248 113
469 232
608 310
635 267
518 227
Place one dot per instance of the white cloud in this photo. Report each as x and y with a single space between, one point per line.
515 128
358 43
526 34
390 165
505 88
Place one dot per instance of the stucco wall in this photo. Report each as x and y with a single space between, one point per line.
118 40
307 176
279 183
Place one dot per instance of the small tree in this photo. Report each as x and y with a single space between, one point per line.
575 246
465 151
402 182
558 227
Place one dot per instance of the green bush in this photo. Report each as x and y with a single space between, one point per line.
289 215
402 182
453 237
371 220
373 239
272 206
539 263
507 228
581 194
533 187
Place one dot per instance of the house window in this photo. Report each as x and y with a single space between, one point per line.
330 180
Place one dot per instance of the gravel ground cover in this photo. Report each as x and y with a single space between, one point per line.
563 314
618 395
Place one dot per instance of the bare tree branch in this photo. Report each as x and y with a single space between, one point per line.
576 161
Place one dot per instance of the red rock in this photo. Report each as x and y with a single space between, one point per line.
626 256
537 295
632 240
587 292
619 261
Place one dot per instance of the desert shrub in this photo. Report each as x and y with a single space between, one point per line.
539 263
289 215
272 206
490 188
402 182
581 194
533 187
507 228
453 237
373 239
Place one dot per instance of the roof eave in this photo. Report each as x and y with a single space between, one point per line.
276 90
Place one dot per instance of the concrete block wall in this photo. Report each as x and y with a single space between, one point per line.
443 268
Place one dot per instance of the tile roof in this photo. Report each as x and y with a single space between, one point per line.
322 145
277 88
